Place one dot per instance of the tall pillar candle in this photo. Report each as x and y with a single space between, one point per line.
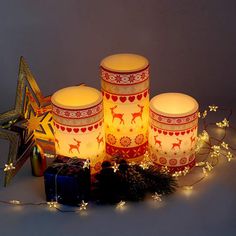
125 88
173 130
77 114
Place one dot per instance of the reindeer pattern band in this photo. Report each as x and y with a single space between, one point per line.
173 145
126 127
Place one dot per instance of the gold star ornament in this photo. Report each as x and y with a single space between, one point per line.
28 123
36 112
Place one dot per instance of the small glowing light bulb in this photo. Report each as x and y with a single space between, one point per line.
83 206
188 187
115 167
225 145
213 108
52 204
120 205
229 156
9 167
15 202
157 197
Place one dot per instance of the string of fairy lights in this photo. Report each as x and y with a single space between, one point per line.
209 151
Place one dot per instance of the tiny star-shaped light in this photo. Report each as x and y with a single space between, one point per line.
157 197
132 163
209 167
83 206
225 145
9 167
216 151
48 155
188 187
201 163
216 147
120 205
213 108
115 167
224 123
52 204
204 114
229 156
144 165
86 164
204 136
177 174
165 169
14 202
146 155
185 171
199 114
204 170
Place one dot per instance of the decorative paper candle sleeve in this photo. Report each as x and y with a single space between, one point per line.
173 130
125 88
66 181
77 114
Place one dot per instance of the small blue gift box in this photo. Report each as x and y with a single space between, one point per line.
67 181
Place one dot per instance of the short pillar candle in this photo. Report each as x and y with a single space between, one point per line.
125 88
173 130
77 114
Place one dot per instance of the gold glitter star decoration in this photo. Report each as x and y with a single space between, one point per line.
37 112
28 123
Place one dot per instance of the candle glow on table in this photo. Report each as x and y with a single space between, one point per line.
173 130
125 88
77 114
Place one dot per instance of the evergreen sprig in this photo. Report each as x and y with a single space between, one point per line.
129 182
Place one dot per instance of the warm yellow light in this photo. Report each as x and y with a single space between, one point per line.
124 62
78 123
173 130
174 104
76 97
125 87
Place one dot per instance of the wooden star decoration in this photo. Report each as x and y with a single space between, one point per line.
28 123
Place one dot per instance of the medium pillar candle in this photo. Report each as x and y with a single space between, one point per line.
173 130
125 88
77 114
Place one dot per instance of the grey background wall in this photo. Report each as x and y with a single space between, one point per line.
191 44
